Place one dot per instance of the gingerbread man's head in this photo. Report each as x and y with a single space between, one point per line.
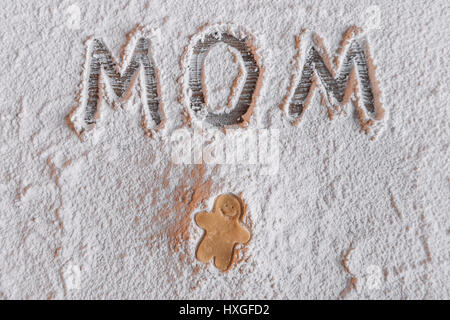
229 205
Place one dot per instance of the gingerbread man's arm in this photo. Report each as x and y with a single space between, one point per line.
202 219
242 235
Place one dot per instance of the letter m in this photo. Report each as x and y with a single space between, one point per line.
339 85
120 81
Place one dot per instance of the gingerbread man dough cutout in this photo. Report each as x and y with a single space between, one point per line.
223 231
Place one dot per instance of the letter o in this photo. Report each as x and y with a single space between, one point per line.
196 62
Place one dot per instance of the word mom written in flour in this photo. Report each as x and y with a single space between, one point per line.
350 78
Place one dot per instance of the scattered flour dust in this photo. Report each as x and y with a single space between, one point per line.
358 208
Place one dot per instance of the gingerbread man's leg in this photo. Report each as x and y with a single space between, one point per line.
205 250
223 257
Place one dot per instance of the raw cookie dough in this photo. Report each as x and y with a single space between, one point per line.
223 231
